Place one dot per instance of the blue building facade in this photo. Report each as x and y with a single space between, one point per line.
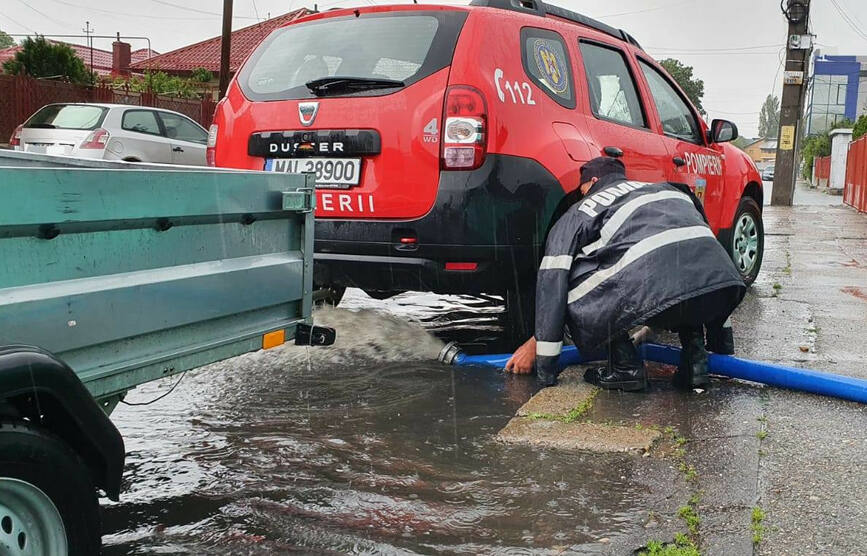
837 91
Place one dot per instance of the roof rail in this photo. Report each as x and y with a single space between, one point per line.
537 7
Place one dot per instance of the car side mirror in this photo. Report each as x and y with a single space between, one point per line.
723 131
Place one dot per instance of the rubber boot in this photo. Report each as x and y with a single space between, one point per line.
720 338
625 370
692 369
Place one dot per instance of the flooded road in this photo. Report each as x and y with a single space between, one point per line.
367 446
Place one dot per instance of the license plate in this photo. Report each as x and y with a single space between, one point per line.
338 173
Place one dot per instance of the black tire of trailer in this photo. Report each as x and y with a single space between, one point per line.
748 208
35 456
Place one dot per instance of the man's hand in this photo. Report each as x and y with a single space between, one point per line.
521 362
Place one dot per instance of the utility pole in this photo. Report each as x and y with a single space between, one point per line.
225 47
88 32
798 50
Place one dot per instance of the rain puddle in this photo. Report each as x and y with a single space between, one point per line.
367 446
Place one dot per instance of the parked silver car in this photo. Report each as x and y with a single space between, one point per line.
113 132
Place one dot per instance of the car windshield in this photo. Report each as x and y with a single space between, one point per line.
68 116
390 48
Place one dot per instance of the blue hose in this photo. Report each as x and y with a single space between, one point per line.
805 380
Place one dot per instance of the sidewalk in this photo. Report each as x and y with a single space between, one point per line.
747 469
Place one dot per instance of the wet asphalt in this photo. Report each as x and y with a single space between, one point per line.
373 447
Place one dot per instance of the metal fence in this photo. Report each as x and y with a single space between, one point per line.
822 171
21 96
855 189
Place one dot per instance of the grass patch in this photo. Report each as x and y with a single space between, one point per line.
788 268
777 286
687 513
582 409
756 525
682 546
762 434
573 415
689 472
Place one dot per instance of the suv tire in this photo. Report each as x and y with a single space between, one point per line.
746 243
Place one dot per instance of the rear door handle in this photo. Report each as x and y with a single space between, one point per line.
178 149
678 161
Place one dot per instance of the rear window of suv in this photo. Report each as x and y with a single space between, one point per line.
400 46
67 116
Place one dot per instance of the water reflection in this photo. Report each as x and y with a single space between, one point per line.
369 446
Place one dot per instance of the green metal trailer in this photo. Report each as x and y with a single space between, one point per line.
113 275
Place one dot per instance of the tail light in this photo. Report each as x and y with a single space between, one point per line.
465 129
211 152
15 140
96 140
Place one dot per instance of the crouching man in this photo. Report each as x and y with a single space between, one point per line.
631 253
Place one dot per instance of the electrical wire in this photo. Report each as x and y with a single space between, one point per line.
158 398
32 30
849 21
195 10
728 49
136 16
619 14
46 16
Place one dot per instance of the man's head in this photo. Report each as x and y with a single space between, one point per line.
598 168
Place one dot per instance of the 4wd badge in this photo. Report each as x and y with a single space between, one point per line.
307 112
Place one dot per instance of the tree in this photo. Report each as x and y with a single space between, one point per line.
693 87
41 58
201 75
819 145
769 117
860 127
5 40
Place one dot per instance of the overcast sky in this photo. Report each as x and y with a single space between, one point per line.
735 46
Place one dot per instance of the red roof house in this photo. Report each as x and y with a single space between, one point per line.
206 54
103 60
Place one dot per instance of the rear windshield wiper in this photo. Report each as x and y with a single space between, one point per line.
336 83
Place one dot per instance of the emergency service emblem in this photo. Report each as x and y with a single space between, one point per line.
551 65
307 112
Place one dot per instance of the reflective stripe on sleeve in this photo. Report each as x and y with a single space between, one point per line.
548 349
561 262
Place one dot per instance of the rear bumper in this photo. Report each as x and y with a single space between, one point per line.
495 217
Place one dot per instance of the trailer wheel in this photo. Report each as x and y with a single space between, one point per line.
48 504
747 242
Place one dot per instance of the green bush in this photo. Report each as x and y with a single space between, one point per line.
820 145
201 75
41 58
860 127
160 83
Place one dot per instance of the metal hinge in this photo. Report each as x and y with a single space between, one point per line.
301 200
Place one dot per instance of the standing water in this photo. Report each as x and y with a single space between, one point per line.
368 446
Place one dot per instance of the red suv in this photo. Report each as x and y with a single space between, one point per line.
443 137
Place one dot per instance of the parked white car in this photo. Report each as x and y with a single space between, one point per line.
113 132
